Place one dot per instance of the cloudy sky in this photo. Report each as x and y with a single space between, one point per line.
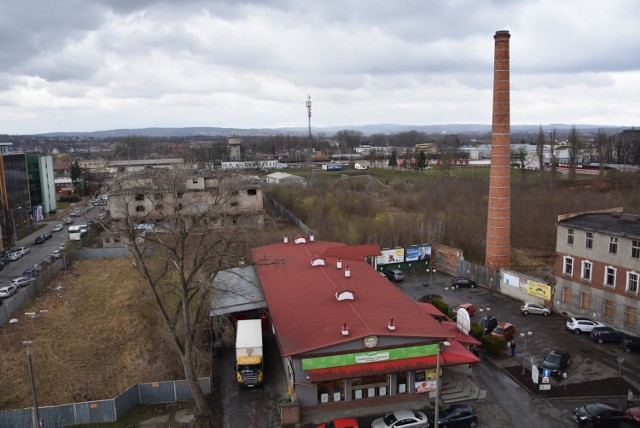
88 65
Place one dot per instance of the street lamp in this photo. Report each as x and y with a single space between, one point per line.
35 415
525 333
431 270
437 414
483 309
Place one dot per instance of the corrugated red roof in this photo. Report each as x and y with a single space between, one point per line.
458 335
431 310
453 355
354 252
305 312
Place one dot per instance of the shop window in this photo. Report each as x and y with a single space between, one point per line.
402 381
370 386
331 391
566 295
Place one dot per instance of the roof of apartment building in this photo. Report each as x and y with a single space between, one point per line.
310 299
614 222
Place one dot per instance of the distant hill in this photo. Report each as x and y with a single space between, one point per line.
365 129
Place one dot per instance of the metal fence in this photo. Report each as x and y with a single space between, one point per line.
288 215
481 274
104 411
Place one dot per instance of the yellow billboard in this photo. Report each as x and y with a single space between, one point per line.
539 289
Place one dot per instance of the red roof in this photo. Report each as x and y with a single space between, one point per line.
458 335
304 309
453 355
431 310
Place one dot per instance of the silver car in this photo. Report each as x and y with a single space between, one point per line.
8 291
534 308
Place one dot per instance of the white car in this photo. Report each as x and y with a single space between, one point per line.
582 324
25 250
58 227
402 418
14 255
57 254
8 291
21 281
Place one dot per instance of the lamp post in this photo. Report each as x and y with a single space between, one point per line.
431 270
525 333
483 309
437 413
34 396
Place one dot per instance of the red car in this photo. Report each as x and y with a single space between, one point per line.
505 330
632 415
468 307
341 423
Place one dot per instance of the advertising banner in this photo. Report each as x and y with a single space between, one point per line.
425 380
395 255
539 289
418 253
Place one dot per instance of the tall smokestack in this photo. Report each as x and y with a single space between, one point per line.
499 219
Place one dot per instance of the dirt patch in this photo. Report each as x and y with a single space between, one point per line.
98 336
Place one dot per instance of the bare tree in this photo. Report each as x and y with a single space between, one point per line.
520 158
196 227
574 151
552 152
540 143
601 150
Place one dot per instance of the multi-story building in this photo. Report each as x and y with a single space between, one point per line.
598 267
14 191
42 189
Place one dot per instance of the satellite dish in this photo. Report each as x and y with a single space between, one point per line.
463 321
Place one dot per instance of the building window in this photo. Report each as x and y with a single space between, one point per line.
194 181
613 245
610 276
139 197
607 310
635 249
632 282
569 236
586 270
589 240
140 208
568 266
160 207
159 196
630 315
566 295
584 300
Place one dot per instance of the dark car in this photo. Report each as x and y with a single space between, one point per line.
457 415
47 236
598 414
39 239
630 343
489 323
556 362
460 282
605 334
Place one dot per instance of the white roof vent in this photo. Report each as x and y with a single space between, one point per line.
345 295
347 272
317 262
312 238
300 240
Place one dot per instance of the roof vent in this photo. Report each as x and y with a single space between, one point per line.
344 295
339 263
347 272
286 239
345 329
317 262
312 238
300 240
240 261
391 326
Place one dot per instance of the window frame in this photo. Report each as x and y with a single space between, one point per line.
613 245
588 240
570 236
635 249
587 267
567 265
610 271
627 286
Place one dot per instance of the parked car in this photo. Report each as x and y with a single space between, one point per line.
630 343
47 236
56 254
14 255
25 250
57 228
605 334
534 308
39 240
340 423
633 415
402 418
598 414
556 361
31 273
582 324
460 282
489 323
467 307
395 275
21 281
505 330
8 291
457 415
67 220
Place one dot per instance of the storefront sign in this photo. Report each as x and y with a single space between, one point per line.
370 341
369 357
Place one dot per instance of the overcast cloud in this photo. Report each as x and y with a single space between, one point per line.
81 65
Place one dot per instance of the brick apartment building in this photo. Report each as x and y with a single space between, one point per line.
598 267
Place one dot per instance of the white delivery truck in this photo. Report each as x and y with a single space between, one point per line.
249 362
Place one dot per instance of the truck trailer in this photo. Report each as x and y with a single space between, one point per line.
249 356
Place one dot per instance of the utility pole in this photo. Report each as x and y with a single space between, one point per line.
308 104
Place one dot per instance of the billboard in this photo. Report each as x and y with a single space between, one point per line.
395 255
418 253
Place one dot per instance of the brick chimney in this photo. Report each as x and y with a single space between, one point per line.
498 249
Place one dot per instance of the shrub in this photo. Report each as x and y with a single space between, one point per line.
494 345
441 306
